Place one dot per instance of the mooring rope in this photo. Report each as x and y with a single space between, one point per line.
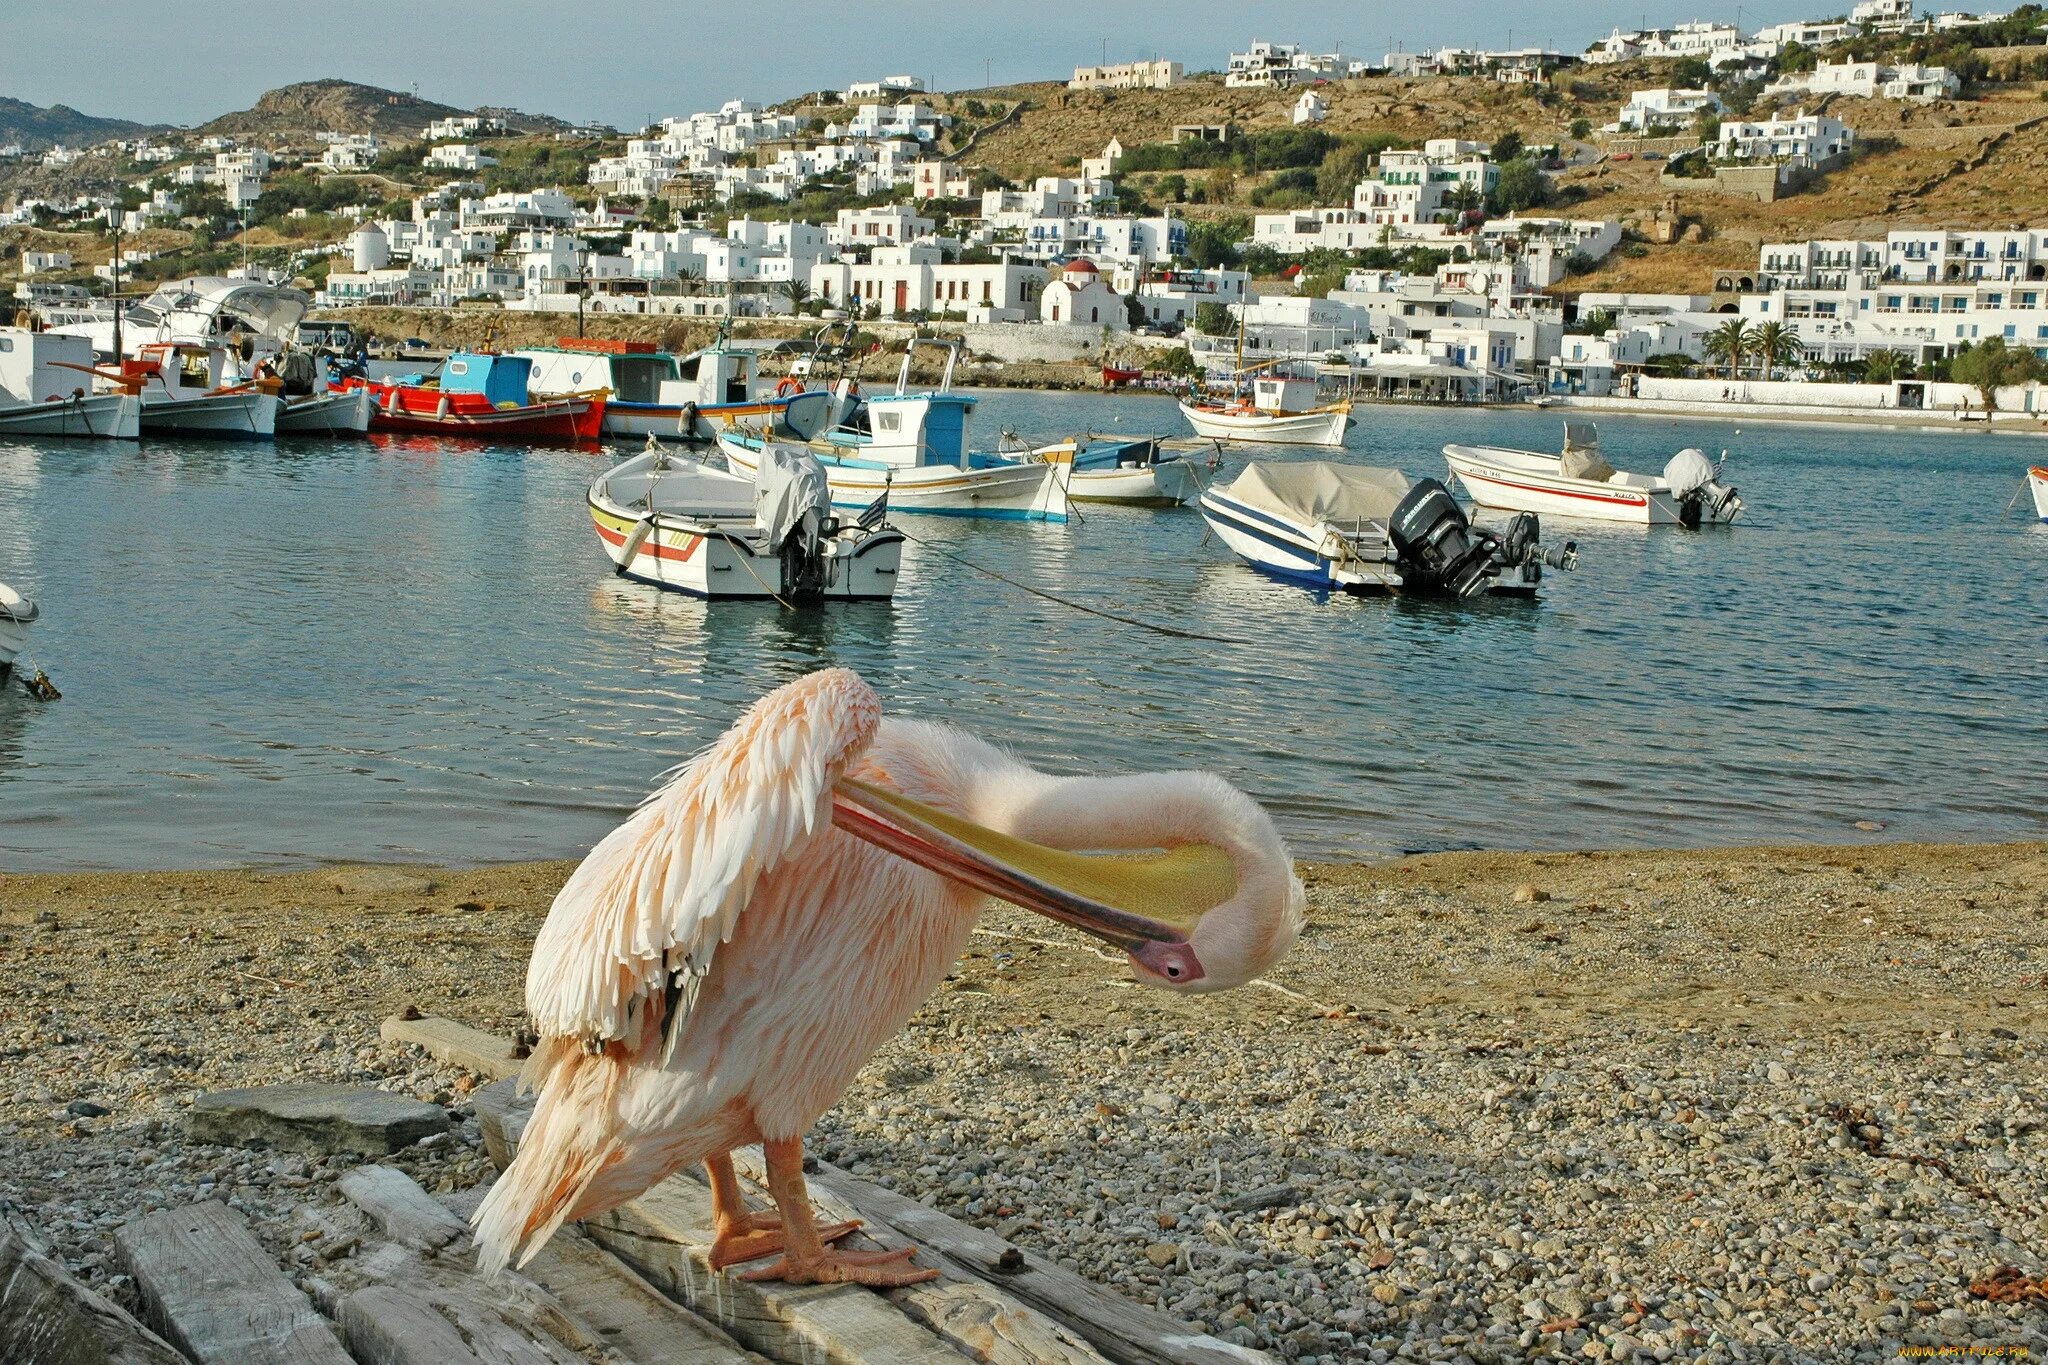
1069 603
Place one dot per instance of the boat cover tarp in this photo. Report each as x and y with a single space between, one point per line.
1578 462
789 483
1317 490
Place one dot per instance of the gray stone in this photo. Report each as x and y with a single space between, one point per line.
314 1118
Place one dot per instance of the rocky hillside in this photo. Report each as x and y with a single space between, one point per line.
332 105
36 128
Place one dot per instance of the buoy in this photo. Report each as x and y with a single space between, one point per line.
788 386
41 688
441 408
391 401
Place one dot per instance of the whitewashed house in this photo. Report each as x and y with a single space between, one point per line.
1128 76
1666 107
1310 108
1801 140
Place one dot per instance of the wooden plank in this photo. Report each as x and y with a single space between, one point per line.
1040 1313
387 1325
472 1049
665 1234
48 1318
977 1317
215 1294
407 1213
1123 1331
628 1314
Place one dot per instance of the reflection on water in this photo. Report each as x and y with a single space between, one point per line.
400 648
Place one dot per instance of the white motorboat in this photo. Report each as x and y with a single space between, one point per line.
336 412
2037 479
1278 411
1579 483
674 397
911 448
674 522
195 389
46 389
17 614
1360 529
1135 473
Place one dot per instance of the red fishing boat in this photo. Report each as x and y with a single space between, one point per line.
1112 377
484 396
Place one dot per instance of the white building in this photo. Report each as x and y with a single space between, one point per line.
886 88
1801 140
1310 108
1080 296
349 151
1881 16
458 156
1283 64
881 225
1666 108
1127 76
35 262
1870 80
463 126
902 280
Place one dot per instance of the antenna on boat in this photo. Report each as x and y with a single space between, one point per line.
116 296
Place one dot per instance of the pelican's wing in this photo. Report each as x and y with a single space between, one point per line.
645 911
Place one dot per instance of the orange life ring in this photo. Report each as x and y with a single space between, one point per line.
790 384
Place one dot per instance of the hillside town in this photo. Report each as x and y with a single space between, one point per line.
1446 269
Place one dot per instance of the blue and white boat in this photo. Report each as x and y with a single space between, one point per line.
676 397
1359 529
913 447
1134 472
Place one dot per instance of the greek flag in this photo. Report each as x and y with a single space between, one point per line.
870 518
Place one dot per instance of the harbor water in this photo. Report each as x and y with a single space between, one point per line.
399 650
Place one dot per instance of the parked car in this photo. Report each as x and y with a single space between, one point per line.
1653 156
1623 156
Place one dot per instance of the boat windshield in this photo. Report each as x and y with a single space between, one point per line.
638 378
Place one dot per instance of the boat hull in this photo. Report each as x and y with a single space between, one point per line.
1014 492
326 414
705 423
1317 427
2038 478
104 416
1169 483
245 416
13 639
1276 547
1517 490
689 557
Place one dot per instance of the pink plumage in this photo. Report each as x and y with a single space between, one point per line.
721 965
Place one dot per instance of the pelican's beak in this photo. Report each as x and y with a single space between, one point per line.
1130 901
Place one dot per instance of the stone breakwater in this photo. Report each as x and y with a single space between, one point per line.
1755 1104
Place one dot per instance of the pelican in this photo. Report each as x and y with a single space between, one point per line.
721 965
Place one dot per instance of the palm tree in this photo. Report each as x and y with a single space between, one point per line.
1882 367
798 293
1729 343
1775 344
690 278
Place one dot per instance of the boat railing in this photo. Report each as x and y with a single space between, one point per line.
950 347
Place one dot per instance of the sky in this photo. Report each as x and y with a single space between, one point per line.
638 60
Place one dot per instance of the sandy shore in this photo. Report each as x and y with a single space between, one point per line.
1775 1104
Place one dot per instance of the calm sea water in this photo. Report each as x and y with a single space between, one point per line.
396 651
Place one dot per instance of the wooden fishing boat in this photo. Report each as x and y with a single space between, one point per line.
678 524
482 395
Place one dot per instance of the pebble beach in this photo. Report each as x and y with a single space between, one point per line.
1753 1104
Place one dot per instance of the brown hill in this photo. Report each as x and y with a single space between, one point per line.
332 106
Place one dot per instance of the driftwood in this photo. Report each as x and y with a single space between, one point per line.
487 1054
408 1214
386 1325
215 1294
630 1315
49 1318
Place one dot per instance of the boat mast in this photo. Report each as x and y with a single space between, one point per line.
116 277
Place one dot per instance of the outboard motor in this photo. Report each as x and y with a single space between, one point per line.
1694 481
793 503
1438 545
